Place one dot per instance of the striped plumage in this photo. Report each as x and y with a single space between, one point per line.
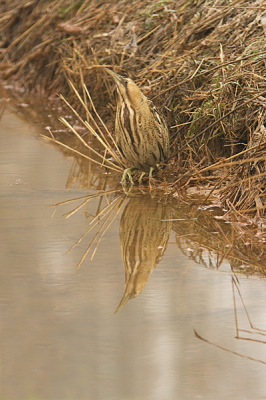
141 132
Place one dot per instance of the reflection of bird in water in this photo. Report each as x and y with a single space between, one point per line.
143 238
141 132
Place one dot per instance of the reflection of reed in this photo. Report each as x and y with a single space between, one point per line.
86 174
144 234
204 235
256 335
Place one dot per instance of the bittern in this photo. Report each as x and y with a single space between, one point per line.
141 132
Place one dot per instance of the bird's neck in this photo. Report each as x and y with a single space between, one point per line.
137 102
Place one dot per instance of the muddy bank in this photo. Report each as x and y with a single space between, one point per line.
201 62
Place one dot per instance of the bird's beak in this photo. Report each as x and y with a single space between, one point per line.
117 78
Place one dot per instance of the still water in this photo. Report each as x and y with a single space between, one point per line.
60 337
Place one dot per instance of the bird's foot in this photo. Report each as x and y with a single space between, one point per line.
150 176
127 190
128 172
141 176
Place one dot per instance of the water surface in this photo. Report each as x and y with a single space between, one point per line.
60 335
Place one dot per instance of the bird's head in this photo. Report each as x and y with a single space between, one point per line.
126 88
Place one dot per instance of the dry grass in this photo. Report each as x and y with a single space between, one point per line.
202 62
110 148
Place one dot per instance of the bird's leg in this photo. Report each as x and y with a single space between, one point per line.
141 176
128 172
150 175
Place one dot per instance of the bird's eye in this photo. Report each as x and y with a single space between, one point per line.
125 83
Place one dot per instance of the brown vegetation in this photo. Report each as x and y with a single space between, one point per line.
202 62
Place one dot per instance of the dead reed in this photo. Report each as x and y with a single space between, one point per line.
91 125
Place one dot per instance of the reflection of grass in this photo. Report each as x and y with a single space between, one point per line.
257 335
202 232
107 211
144 230
212 240
204 229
